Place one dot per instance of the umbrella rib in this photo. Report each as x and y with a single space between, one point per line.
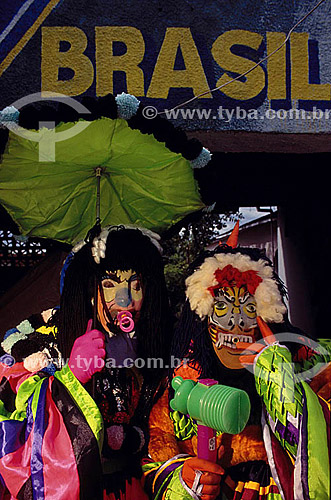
118 196
99 171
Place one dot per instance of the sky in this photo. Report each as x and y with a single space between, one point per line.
249 214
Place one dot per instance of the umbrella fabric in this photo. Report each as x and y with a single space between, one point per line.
144 183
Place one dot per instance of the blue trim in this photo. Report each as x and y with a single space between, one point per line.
11 436
64 270
23 24
37 465
29 418
9 332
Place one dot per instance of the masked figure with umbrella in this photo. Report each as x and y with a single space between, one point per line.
58 441
80 431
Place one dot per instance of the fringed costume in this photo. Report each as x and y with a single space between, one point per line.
75 431
223 334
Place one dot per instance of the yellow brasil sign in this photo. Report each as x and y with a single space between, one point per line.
100 68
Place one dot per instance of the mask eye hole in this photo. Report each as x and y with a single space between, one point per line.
220 306
107 284
136 285
217 292
251 308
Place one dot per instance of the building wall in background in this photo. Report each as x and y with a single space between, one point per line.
164 53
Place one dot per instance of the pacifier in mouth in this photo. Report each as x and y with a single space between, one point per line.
125 321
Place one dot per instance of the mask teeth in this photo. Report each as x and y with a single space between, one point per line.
231 340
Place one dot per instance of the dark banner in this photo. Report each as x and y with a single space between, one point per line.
165 53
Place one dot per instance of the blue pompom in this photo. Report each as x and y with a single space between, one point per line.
9 115
202 160
127 105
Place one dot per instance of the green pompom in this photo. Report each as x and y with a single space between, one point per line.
25 327
10 341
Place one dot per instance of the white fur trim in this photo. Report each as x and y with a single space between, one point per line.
78 246
268 298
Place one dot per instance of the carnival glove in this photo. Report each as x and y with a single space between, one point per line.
87 354
202 477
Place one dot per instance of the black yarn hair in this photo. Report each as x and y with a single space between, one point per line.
126 249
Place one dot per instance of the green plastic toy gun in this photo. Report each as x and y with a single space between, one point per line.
215 407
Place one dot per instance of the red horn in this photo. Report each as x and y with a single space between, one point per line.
233 238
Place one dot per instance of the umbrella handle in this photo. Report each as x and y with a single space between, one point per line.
98 173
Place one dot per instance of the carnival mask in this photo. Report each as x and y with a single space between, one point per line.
233 320
122 292
231 289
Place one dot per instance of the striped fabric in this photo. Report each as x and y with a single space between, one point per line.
158 475
46 437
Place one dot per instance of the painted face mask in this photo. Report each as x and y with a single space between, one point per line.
230 288
233 320
123 297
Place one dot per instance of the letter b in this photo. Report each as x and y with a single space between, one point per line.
52 59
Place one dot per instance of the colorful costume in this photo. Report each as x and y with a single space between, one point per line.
283 451
57 441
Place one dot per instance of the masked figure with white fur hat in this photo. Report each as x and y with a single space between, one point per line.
234 329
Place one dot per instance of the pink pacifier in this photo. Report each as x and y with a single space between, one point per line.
125 321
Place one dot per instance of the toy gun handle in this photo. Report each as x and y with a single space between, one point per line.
207 443
206 435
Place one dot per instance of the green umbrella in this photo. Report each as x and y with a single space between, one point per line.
142 181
